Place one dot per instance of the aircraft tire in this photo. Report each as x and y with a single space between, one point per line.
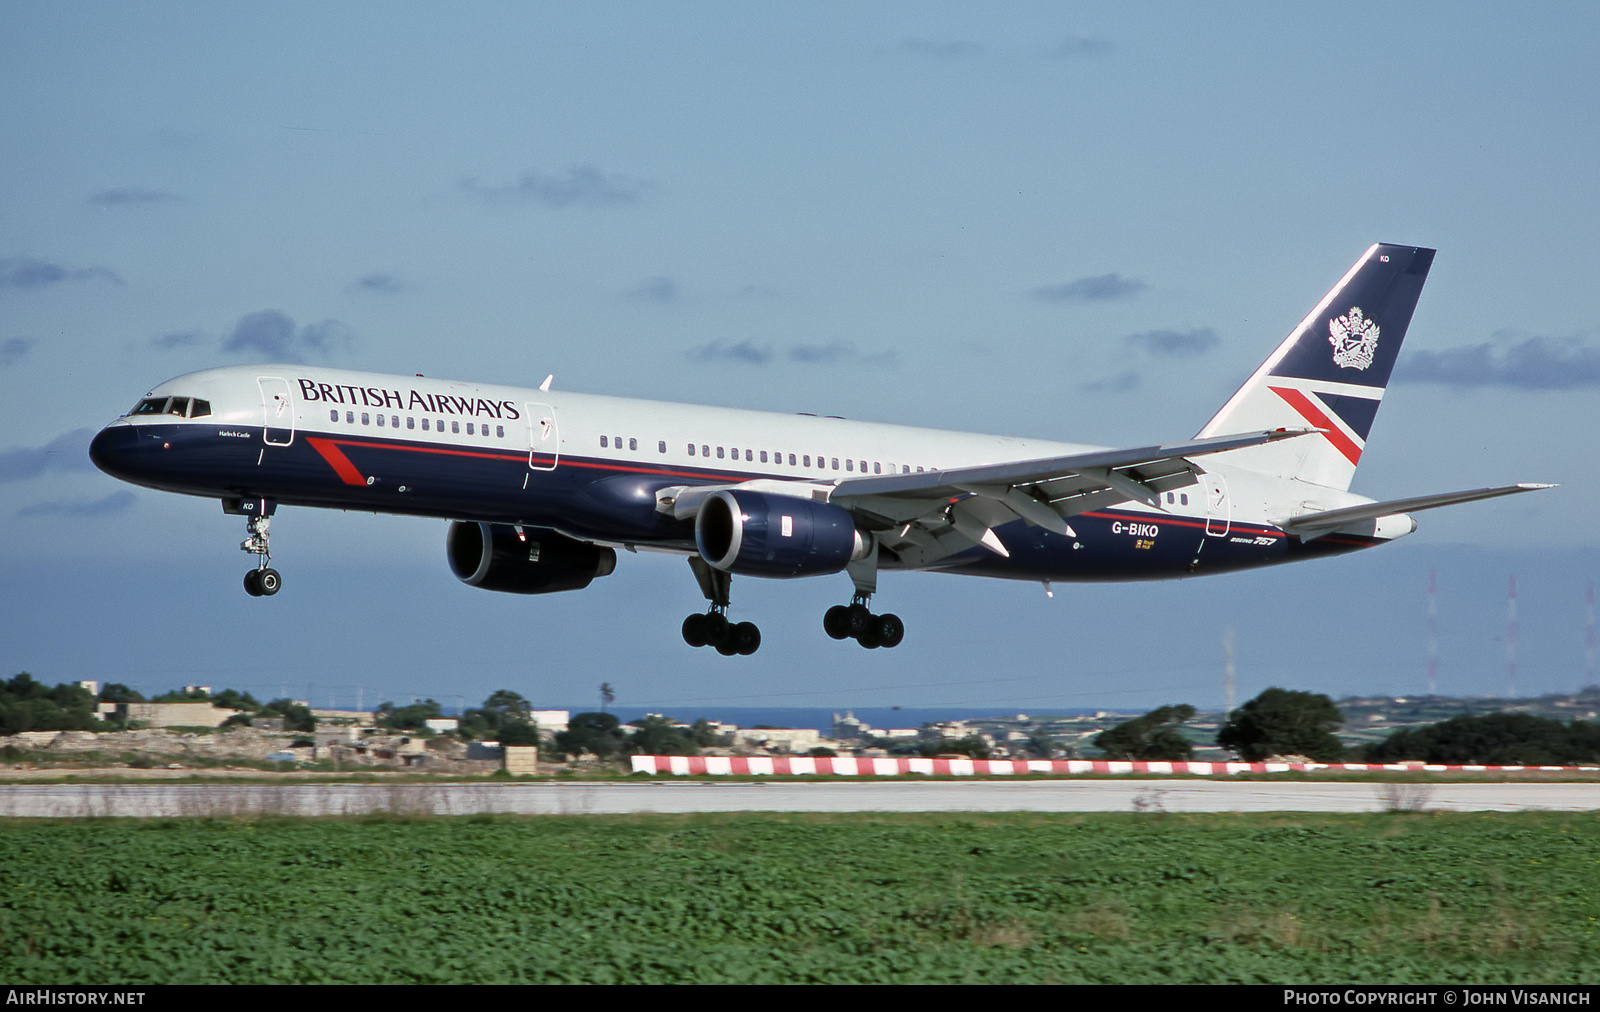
858 620
252 583
694 630
270 582
716 626
727 647
889 631
834 622
746 637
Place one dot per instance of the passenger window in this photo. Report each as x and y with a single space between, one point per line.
424 425
365 419
411 423
661 447
455 426
750 455
763 456
394 421
849 465
691 449
719 453
1185 498
616 441
791 460
905 468
380 419
705 451
877 468
602 442
333 416
201 408
350 417
500 432
633 444
806 458
836 463
469 429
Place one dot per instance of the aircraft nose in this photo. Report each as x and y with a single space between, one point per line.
113 449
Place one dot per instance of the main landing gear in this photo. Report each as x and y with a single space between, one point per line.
713 629
856 621
262 581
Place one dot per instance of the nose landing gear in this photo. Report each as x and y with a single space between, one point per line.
263 581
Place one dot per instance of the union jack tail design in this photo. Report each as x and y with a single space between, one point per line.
1330 373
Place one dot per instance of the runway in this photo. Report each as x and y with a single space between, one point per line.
156 800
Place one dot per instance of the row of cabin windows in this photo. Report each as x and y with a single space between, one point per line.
1184 496
764 456
183 407
393 421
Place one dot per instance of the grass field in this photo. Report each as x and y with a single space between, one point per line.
1398 897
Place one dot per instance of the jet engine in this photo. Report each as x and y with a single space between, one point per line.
497 557
755 534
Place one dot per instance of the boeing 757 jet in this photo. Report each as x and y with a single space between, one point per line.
541 487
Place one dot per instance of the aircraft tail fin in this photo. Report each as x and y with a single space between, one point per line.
1330 373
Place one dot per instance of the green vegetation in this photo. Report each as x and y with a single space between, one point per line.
1154 736
1493 739
1006 898
1284 722
27 705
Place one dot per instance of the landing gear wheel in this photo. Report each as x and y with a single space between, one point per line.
694 630
745 638
269 581
858 620
835 622
889 631
716 625
252 583
727 647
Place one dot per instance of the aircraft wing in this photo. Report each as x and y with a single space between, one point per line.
1326 521
929 515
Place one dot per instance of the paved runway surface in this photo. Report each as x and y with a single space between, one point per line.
167 800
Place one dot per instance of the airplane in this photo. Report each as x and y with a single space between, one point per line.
542 487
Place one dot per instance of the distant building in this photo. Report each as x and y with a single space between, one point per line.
550 720
781 739
176 714
439 725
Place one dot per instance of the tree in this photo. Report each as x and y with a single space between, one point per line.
1284 722
295 717
233 699
656 735
1152 736
407 718
518 732
26 705
607 696
596 733
503 710
1493 739
116 692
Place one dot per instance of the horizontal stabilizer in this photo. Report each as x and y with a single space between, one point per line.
1329 520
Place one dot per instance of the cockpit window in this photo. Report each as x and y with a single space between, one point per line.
183 407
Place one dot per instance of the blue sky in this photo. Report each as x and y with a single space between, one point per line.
1076 221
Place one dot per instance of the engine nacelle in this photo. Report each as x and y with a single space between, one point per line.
495 557
755 534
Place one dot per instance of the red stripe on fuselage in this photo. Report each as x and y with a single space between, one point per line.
1313 414
341 464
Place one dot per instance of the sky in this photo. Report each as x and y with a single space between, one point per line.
1084 222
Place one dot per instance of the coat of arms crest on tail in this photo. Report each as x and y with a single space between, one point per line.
1354 339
